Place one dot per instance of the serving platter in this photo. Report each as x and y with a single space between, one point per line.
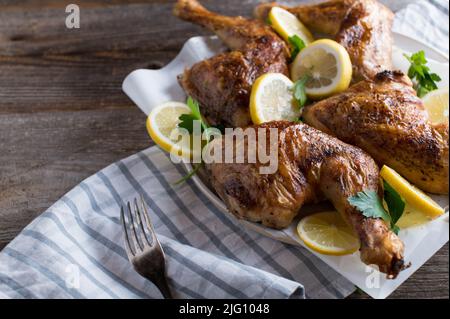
149 88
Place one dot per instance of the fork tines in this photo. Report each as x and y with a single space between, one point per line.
140 237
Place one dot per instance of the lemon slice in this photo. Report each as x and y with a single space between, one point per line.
162 127
436 104
287 25
272 99
413 196
328 66
327 233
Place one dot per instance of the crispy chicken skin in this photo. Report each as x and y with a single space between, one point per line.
385 118
363 27
222 84
312 166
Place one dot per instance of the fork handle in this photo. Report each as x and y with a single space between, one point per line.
161 283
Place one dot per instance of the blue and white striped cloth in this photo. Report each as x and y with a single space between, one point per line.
208 254
75 248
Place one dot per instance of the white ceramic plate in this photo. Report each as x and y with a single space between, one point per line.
149 88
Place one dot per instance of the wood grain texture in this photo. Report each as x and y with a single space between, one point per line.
63 115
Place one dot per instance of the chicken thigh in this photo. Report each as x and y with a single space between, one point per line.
363 27
385 118
222 84
312 166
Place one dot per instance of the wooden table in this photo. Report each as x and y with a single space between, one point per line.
63 115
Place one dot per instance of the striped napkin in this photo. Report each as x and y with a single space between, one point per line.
75 248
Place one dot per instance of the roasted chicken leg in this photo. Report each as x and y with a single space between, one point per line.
222 84
363 27
386 119
312 166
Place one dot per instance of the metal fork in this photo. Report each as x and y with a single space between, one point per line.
146 256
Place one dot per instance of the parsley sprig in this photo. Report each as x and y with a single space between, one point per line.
297 45
395 204
371 206
188 175
299 91
419 72
187 120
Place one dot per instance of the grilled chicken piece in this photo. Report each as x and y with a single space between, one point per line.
222 84
312 166
363 27
385 118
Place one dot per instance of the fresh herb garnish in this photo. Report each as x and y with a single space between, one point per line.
188 175
297 45
419 72
187 120
371 206
395 204
299 91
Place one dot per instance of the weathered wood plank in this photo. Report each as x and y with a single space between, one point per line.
44 155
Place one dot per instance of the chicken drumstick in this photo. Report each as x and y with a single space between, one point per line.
222 84
312 166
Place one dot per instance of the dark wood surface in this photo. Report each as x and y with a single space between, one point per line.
63 115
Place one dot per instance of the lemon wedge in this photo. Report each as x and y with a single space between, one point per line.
413 196
287 25
436 104
162 126
327 233
272 99
328 66
412 217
